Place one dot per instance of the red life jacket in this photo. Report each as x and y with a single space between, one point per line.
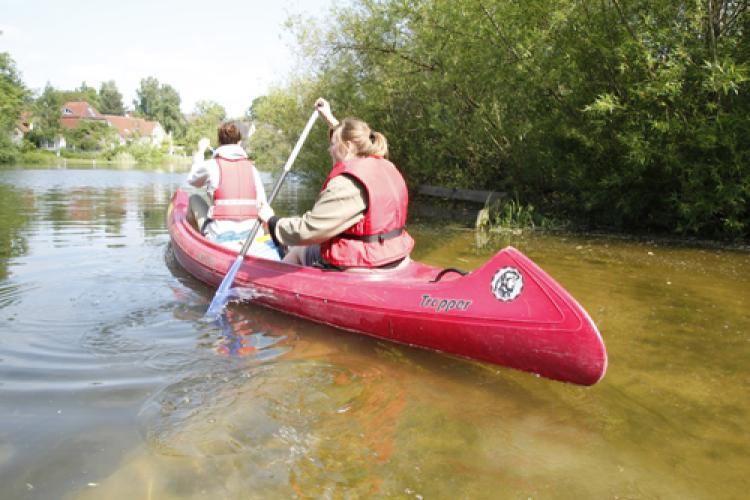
236 196
379 238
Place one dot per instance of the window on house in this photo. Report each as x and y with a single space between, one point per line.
67 112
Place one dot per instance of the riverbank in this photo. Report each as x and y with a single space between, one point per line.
507 217
122 159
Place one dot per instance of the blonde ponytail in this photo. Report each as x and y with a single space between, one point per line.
379 144
366 142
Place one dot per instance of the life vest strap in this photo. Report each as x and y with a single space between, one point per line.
370 238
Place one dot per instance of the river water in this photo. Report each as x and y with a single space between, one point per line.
112 387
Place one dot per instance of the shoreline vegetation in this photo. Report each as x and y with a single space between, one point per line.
497 218
511 220
123 158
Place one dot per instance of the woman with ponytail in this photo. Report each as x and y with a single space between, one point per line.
359 217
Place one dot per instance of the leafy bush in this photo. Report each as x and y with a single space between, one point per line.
37 157
8 154
90 135
618 115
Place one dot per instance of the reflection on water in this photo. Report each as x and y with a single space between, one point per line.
14 215
112 385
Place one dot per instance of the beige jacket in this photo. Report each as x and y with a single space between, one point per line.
339 206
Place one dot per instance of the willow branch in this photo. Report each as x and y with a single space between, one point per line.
499 32
389 51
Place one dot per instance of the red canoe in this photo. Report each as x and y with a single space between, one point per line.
508 312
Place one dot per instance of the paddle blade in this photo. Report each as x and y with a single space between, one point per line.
223 294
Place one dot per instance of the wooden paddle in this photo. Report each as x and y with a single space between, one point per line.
222 294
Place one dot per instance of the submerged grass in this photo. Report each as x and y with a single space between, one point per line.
510 215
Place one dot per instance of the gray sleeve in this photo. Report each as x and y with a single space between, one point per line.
339 206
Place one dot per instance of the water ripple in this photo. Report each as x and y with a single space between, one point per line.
264 409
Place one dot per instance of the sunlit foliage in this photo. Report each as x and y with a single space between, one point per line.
630 115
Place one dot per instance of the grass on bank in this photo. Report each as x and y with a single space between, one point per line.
510 215
131 155
507 217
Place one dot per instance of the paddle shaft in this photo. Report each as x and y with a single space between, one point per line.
280 180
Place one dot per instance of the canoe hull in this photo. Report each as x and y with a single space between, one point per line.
508 312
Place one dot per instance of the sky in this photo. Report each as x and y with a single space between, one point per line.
229 51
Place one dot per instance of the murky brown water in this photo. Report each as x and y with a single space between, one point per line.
111 386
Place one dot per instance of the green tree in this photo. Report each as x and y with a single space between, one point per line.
110 99
47 111
168 111
147 97
88 94
90 135
82 93
160 103
13 98
278 119
205 120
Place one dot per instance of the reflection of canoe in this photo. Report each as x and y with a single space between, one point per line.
507 312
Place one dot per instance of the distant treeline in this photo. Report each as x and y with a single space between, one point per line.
40 116
617 114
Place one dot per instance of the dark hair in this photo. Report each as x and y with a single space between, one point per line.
229 133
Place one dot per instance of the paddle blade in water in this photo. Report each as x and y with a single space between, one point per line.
223 294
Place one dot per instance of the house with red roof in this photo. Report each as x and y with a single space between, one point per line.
133 128
128 127
75 111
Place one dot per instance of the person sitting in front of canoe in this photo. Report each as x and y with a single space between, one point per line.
359 216
235 188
